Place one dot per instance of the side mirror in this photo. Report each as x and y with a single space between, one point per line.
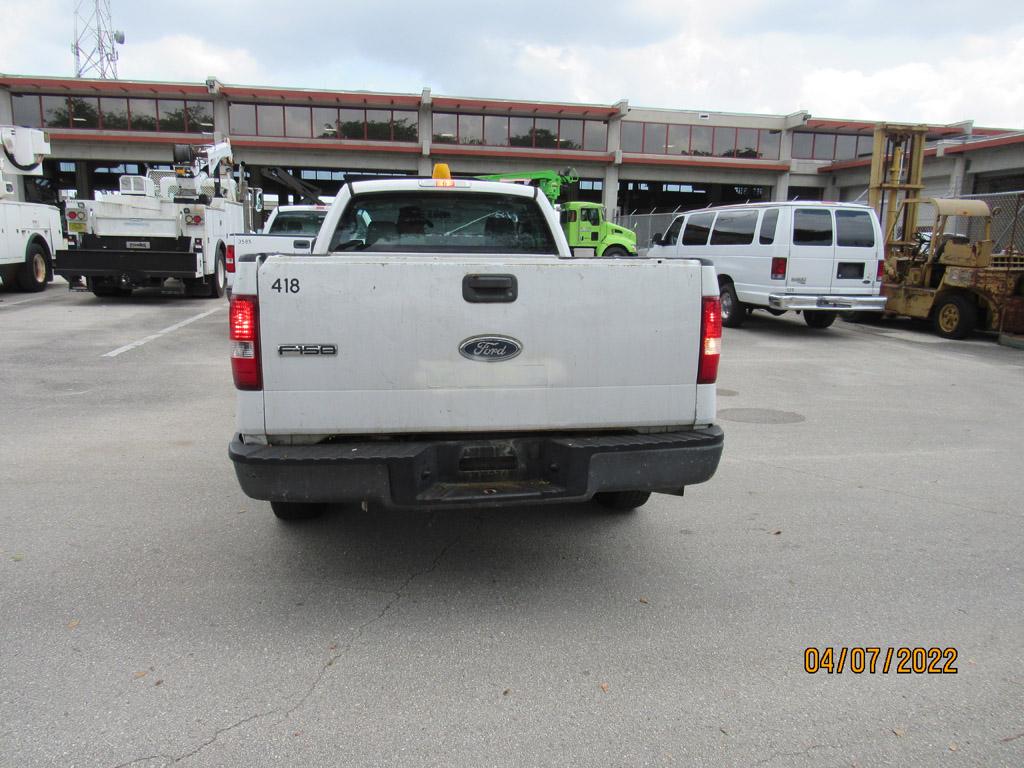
656 240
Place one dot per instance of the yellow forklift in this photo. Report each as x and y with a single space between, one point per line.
958 283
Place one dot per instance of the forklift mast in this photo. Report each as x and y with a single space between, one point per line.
897 179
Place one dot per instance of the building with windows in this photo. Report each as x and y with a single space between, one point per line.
633 159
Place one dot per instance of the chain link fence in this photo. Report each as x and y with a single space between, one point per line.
646 225
1007 220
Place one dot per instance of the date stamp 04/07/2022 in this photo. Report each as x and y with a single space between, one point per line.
873 660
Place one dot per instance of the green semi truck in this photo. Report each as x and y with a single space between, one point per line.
586 228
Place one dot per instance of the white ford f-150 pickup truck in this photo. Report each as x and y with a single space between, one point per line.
441 347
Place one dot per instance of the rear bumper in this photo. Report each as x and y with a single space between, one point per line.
138 265
455 472
797 301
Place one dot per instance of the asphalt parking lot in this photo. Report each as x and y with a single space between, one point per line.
150 614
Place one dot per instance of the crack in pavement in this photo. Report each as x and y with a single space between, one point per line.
167 758
398 594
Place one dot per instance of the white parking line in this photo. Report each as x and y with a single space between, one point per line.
163 332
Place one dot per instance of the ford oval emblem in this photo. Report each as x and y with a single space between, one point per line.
490 349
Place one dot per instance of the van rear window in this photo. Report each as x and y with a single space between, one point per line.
439 222
812 226
854 229
734 228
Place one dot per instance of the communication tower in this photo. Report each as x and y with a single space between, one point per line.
95 40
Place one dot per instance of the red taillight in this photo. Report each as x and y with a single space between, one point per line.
710 340
72 215
229 259
195 219
881 270
244 318
779 268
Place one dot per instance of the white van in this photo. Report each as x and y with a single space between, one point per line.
811 257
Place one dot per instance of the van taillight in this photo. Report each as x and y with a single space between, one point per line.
880 273
229 259
244 319
710 340
779 268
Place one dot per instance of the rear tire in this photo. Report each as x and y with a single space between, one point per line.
293 510
734 312
818 319
219 277
954 317
622 501
35 272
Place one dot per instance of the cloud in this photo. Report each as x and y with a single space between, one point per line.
835 60
184 57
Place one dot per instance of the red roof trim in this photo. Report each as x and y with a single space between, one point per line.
506 107
97 87
987 144
332 98
327 144
131 138
853 125
690 162
468 151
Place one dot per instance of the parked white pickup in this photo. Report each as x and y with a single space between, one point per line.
289 229
440 346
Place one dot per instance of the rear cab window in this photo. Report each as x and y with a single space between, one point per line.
440 222
297 223
812 226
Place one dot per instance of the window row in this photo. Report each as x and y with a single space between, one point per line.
323 122
113 113
831 146
537 132
700 140
811 226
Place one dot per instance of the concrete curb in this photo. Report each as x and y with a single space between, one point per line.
1011 340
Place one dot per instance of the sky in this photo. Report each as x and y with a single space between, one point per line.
936 62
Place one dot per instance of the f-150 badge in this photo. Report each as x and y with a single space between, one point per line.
309 350
490 349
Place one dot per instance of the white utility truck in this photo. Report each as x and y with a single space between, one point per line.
166 224
30 233
289 229
816 258
441 347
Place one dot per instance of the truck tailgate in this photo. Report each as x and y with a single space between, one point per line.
604 344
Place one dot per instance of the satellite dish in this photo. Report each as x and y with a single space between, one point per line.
119 37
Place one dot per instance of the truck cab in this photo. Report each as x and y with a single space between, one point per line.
587 228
